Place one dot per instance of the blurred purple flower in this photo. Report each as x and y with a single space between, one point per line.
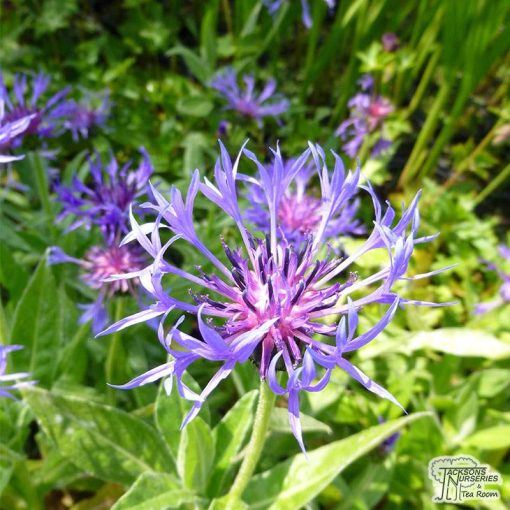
274 5
223 128
390 42
44 117
106 200
367 114
388 445
300 212
9 378
246 101
97 266
504 290
81 117
272 297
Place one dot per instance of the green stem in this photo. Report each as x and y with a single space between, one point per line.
468 161
41 181
424 82
504 174
225 4
114 352
445 134
254 448
411 168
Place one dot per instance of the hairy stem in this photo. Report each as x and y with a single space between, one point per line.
254 448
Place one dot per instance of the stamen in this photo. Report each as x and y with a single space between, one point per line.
299 291
270 289
239 278
249 304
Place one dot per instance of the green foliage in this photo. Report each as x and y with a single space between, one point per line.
101 440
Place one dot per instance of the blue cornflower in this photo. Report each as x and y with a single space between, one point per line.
299 212
98 264
390 42
245 101
270 300
367 114
44 116
105 201
504 290
9 378
274 5
80 117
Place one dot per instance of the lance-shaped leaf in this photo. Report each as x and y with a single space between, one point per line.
293 483
230 435
155 490
101 440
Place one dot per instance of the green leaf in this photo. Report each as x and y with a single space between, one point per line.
155 491
12 275
493 381
280 422
195 455
293 483
195 106
208 34
461 342
457 341
98 439
493 438
460 420
230 435
197 66
8 459
194 145
370 486
37 325
170 412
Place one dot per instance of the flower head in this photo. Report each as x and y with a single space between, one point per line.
390 42
9 378
272 301
504 290
274 5
245 101
299 212
44 116
106 200
81 117
368 112
99 264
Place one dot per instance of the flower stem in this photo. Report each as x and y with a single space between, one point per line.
429 127
493 185
113 356
254 448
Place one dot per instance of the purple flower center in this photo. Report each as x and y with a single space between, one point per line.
101 263
299 213
378 110
286 290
